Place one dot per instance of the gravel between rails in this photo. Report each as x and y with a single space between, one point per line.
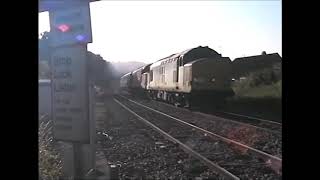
235 160
141 153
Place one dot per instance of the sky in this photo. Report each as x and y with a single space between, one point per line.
146 31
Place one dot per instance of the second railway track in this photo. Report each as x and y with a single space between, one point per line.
259 122
238 159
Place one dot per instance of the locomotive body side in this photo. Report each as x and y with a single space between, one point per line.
171 77
163 76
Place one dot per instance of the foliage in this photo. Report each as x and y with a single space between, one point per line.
266 82
264 77
99 70
50 167
44 49
44 56
44 70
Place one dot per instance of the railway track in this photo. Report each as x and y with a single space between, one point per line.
266 140
135 151
225 156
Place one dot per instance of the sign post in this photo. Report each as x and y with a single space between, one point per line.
71 109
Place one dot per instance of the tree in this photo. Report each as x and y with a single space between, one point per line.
44 56
99 70
44 49
44 70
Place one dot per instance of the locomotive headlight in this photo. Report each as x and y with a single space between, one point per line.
200 80
213 80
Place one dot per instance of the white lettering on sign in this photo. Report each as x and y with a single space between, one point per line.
70 94
70 26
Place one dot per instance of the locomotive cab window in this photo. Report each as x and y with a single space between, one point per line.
175 79
180 62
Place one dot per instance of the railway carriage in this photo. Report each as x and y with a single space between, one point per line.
125 83
135 83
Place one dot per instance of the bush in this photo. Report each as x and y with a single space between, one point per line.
44 70
265 83
50 167
259 94
264 77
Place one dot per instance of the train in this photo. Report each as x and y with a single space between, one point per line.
189 78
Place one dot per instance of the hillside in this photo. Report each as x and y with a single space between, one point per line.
122 68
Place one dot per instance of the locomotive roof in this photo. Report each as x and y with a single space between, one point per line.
127 74
177 55
200 59
142 67
199 47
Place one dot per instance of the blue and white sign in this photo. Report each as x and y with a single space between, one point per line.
70 26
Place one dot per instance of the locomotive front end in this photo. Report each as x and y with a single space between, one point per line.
210 80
